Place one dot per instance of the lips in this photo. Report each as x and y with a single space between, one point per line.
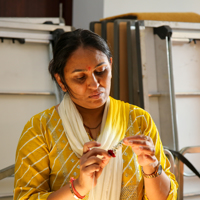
96 95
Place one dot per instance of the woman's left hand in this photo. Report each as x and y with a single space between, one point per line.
143 147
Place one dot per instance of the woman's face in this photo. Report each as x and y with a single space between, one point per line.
88 75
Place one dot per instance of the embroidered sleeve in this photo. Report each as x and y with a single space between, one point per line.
32 164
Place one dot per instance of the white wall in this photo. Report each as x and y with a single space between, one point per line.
85 11
23 68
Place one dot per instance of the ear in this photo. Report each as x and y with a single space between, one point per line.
58 79
111 62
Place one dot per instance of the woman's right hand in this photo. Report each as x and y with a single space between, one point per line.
91 167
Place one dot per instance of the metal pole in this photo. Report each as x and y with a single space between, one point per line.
6 172
171 92
178 94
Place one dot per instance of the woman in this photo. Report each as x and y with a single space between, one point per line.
63 151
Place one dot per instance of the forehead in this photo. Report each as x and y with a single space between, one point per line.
84 57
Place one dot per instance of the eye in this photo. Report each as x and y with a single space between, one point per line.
81 78
100 72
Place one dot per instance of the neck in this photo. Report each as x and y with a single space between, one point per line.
91 117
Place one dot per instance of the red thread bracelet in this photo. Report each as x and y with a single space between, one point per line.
75 192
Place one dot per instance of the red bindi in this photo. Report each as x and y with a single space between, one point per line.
89 68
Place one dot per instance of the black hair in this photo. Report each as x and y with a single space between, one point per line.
70 42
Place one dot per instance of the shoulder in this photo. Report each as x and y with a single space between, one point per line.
136 115
36 129
46 115
42 117
37 124
133 109
137 111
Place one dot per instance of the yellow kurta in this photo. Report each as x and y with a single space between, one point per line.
45 161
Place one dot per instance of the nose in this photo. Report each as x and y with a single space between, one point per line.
93 82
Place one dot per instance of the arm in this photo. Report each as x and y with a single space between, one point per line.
32 169
31 164
149 151
156 188
90 168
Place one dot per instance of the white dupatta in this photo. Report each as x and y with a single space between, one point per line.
109 183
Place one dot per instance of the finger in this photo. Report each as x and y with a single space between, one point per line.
137 143
98 173
135 137
151 159
90 161
88 170
105 162
147 150
88 145
97 151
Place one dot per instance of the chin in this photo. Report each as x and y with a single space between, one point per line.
92 103
96 104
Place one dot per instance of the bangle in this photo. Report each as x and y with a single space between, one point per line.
73 190
70 186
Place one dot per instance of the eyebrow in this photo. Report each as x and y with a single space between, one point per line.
82 70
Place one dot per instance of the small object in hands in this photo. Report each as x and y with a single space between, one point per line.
111 153
73 190
115 148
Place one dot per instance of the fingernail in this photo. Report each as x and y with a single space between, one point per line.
125 141
98 143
